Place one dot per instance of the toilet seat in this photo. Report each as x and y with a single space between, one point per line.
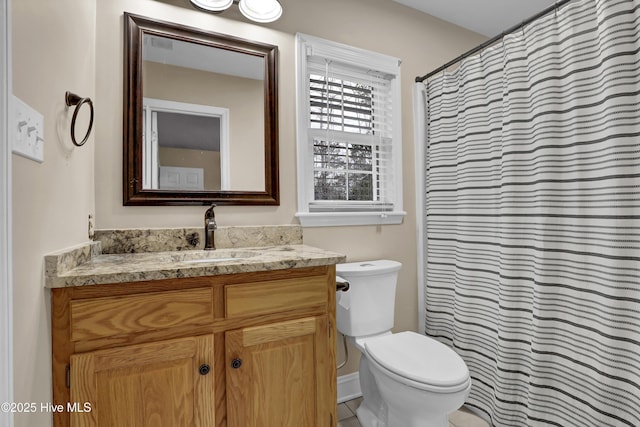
419 361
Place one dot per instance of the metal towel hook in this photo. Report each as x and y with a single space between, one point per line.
73 99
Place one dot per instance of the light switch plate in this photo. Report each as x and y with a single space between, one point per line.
28 126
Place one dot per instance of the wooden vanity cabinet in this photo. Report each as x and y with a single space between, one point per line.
241 350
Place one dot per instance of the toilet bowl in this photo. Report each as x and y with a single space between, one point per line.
406 379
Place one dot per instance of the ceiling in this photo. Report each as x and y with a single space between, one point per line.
487 17
166 50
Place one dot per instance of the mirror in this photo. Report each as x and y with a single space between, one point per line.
200 117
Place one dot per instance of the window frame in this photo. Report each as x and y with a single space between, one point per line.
358 58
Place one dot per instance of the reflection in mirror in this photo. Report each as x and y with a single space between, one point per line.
186 146
209 77
200 117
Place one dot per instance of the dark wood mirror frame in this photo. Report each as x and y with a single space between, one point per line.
133 192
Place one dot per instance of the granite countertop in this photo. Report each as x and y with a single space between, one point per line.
119 268
88 265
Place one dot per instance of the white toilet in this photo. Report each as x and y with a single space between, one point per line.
407 379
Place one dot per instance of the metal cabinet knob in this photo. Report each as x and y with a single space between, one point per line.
236 363
204 369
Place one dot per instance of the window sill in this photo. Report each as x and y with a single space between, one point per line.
335 219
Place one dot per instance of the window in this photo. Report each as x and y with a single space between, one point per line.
349 139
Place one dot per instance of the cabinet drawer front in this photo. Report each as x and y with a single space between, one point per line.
250 299
106 317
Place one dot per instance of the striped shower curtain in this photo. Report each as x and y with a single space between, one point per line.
532 219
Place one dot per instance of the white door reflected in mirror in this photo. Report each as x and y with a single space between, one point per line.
186 146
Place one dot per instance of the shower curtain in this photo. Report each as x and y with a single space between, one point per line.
532 218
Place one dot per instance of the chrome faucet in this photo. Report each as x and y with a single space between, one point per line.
210 227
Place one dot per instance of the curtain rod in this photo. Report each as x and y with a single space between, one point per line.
491 41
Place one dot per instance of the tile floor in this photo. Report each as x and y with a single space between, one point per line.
460 418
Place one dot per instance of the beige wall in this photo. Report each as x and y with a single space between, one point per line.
422 42
53 51
77 45
243 97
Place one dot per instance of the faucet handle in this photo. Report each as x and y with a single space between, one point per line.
209 212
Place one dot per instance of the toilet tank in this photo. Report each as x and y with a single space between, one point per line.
367 308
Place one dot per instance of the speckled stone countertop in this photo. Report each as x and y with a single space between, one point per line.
88 265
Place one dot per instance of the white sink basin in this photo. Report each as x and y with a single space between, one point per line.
215 256
205 260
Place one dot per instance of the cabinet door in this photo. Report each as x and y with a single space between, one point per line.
281 375
157 384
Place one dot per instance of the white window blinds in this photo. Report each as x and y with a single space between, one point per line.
349 139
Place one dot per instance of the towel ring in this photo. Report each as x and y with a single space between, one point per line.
73 99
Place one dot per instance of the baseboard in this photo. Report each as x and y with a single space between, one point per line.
348 387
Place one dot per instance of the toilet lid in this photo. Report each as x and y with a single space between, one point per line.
418 358
368 268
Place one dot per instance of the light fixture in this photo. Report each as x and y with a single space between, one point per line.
261 10
213 5
256 10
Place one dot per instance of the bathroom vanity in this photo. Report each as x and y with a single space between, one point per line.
232 337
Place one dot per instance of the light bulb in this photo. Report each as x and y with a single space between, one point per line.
261 10
212 5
